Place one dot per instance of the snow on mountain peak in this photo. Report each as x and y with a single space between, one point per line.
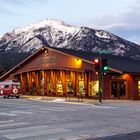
102 34
56 24
57 33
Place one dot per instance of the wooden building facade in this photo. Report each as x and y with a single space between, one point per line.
53 72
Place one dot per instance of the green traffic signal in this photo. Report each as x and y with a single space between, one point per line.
105 68
104 65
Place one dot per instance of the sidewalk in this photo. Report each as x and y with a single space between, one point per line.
76 100
59 99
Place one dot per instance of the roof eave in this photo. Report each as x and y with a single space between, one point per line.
115 70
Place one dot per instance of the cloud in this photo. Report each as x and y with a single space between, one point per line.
7 12
7 7
14 3
4 11
125 24
21 2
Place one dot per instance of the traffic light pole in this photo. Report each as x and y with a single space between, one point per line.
100 67
100 85
100 80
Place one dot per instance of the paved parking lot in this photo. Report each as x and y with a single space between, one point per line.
36 119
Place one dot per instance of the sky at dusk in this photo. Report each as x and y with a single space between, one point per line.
120 17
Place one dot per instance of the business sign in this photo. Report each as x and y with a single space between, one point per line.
48 61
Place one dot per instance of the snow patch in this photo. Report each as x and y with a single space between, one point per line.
58 100
8 48
102 34
118 51
56 24
121 45
1 36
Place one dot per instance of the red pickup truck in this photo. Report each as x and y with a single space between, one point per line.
10 88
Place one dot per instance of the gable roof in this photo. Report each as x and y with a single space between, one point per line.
124 64
36 53
115 63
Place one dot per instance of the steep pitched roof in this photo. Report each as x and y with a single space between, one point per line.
126 65
115 63
34 55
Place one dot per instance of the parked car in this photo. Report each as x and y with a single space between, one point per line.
10 88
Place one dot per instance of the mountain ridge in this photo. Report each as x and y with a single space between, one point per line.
57 33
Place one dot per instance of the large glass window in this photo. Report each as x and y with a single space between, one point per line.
59 87
6 86
81 87
94 88
59 84
118 89
50 86
139 88
69 84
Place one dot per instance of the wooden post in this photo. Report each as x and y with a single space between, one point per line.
73 81
22 84
28 81
88 81
45 82
53 81
76 83
62 78
31 83
37 83
42 82
85 83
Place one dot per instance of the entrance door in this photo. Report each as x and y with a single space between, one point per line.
69 87
118 89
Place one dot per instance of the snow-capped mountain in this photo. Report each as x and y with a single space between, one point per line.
56 33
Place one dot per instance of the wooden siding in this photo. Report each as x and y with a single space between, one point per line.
54 60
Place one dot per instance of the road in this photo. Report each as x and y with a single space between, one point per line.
23 119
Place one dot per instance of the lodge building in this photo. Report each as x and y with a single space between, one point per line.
60 72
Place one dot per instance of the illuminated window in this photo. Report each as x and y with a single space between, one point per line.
138 88
59 87
50 86
69 86
94 88
81 87
69 83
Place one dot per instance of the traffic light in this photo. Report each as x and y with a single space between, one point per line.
104 65
97 64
